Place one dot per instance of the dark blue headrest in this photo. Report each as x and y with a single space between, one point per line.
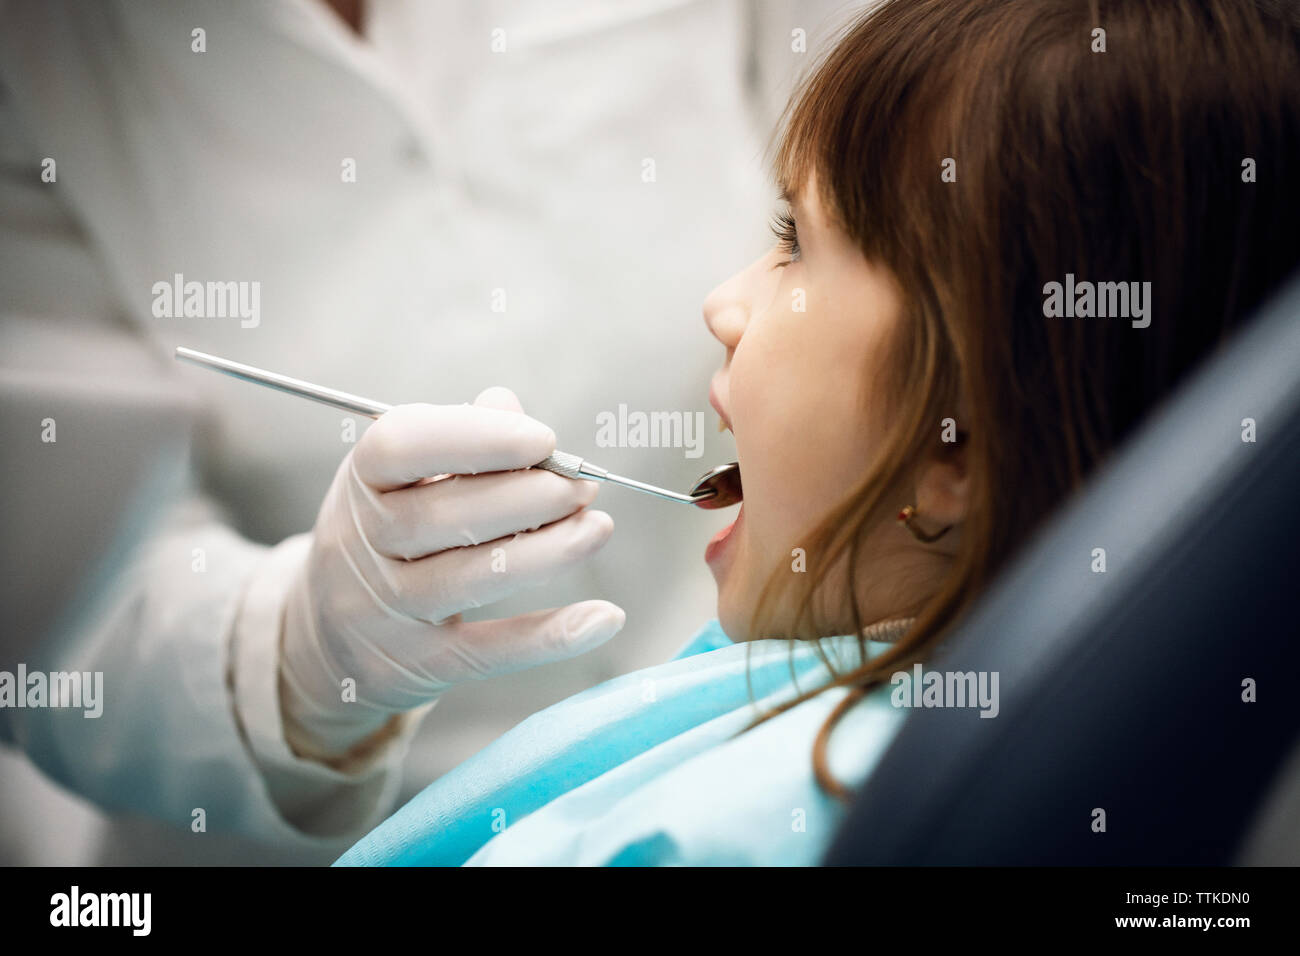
1123 691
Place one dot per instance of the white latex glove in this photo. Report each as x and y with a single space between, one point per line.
399 552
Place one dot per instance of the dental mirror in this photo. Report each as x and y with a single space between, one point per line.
724 482
717 488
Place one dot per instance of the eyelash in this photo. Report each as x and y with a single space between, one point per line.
784 229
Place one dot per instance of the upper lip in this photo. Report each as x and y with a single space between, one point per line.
717 404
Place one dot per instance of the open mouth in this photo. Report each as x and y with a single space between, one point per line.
723 480
719 541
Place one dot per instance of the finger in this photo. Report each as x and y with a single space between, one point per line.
466 510
433 588
499 397
410 442
477 649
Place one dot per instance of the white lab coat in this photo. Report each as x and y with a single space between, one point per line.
597 177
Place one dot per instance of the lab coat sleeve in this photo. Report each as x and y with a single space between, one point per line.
315 797
186 639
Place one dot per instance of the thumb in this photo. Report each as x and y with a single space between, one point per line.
499 397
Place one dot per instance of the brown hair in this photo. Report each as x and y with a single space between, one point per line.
1124 165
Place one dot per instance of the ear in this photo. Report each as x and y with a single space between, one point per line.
943 488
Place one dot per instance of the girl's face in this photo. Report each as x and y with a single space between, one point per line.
805 329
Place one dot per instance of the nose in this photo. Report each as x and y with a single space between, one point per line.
726 311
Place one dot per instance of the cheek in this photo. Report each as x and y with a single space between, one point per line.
766 394
802 431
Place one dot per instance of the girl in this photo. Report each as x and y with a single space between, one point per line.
943 170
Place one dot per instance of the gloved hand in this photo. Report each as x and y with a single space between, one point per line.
427 517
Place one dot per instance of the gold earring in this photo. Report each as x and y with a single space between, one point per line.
907 516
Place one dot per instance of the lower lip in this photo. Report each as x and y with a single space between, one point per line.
719 543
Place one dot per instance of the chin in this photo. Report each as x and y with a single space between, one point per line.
734 620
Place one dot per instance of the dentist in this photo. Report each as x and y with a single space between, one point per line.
424 198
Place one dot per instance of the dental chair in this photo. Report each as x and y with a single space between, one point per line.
1122 692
